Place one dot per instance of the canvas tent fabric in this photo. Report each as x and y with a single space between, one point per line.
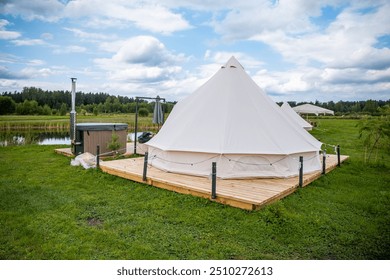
295 117
231 121
158 114
312 109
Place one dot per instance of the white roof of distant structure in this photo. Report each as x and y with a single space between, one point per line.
312 109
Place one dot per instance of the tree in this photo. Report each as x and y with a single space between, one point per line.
371 106
385 110
28 108
114 144
7 105
46 110
100 108
340 107
95 110
356 107
63 109
116 105
83 112
108 104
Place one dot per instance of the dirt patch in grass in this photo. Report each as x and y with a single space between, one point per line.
94 222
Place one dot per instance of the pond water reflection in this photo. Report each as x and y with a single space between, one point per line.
47 137
15 138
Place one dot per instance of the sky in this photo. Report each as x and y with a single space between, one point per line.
295 50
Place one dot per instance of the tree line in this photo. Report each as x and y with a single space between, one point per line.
35 101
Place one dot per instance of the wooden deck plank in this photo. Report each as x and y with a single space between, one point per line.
249 194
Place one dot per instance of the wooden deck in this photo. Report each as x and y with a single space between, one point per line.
250 194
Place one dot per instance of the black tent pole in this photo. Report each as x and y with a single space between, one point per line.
136 125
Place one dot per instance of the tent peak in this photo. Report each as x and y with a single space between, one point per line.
232 63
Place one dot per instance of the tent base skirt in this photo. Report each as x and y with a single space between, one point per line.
234 166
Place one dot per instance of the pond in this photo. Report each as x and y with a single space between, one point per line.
46 137
15 138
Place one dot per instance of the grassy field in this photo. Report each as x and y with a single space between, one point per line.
51 210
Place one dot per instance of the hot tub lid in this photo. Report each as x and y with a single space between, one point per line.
101 126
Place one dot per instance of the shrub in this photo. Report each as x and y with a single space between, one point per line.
143 112
7 105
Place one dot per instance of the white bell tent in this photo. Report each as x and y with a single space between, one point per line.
231 121
295 117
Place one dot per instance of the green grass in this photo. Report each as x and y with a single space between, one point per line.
51 210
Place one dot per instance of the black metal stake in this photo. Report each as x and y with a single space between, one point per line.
338 155
323 162
136 125
97 156
214 180
145 167
301 171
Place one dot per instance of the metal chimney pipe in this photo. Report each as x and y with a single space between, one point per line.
73 116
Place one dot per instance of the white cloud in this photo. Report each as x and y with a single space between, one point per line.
47 36
309 83
3 23
36 62
221 57
111 46
285 83
142 61
337 58
7 74
28 42
46 10
146 15
145 50
156 19
355 76
92 36
34 72
366 58
140 73
9 84
70 49
5 34
337 62
8 35
246 19
347 42
8 58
